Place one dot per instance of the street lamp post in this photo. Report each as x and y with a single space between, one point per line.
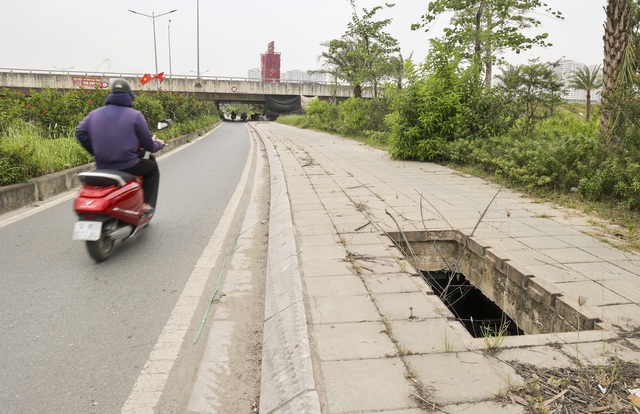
198 35
169 30
198 84
153 18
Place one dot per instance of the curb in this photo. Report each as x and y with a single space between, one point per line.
287 383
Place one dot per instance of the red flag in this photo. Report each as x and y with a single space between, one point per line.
145 79
159 76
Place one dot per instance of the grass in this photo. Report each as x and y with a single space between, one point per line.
26 151
494 338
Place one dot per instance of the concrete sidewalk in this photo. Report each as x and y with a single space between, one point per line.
351 326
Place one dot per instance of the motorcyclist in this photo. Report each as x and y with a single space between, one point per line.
114 134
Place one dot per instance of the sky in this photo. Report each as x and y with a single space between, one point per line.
103 36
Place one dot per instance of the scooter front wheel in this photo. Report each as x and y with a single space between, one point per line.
102 248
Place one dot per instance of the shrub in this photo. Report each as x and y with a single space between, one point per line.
426 115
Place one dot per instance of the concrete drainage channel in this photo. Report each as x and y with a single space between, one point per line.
485 292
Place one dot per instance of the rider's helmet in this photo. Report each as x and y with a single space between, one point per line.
120 85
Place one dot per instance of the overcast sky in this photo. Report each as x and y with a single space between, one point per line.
102 35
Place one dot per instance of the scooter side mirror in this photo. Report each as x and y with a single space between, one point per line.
164 123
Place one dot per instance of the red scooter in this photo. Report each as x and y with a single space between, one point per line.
109 208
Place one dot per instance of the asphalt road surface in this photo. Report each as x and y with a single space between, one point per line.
75 334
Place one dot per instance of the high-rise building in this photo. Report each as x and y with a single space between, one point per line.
566 69
304 76
270 64
254 73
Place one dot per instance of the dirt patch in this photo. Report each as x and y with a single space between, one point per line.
591 389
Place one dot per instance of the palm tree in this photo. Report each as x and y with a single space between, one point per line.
398 69
617 39
587 80
511 78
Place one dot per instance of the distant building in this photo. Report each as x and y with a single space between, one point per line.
304 76
566 69
254 73
270 64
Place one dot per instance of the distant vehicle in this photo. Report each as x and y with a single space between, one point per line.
243 117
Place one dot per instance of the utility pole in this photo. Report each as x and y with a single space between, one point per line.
153 18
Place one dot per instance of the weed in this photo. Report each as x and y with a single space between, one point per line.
494 338
360 207
448 343
544 215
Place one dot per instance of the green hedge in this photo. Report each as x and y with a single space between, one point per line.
37 131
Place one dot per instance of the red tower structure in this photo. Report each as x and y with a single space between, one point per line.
270 64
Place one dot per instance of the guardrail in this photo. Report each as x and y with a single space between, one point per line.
170 76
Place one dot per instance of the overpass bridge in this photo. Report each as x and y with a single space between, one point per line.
214 88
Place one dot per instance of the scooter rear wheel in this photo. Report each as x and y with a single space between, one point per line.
102 248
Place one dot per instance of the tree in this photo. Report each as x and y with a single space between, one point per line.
486 28
510 77
362 55
343 62
587 79
399 68
535 91
617 43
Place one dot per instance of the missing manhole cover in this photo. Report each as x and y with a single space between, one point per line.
533 305
479 315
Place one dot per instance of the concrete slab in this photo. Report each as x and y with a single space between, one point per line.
460 377
556 273
319 240
315 230
505 244
342 309
390 283
629 288
361 238
348 285
623 316
378 250
429 336
545 242
321 267
484 407
408 411
601 354
374 265
365 340
365 385
581 240
411 305
632 266
568 255
600 271
596 293
543 356
609 253
328 253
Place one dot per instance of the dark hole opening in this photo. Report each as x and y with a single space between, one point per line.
470 306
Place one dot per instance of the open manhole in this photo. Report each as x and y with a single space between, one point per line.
477 313
484 291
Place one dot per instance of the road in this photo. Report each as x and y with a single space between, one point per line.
75 335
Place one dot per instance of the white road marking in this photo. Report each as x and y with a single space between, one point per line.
148 388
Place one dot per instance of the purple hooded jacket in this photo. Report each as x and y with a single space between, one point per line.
114 133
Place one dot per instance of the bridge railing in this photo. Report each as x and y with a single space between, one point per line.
167 76
220 88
